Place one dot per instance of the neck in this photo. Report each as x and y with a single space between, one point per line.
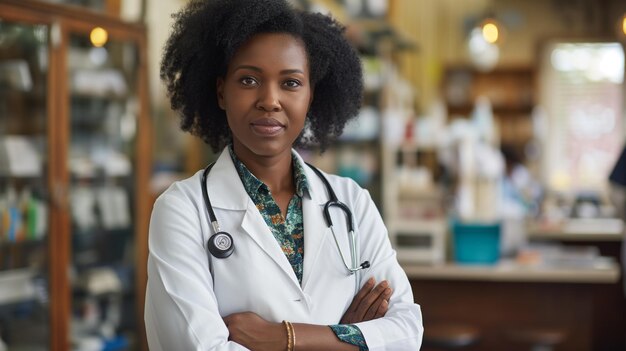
274 171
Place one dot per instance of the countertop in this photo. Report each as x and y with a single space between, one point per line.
605 271
608 229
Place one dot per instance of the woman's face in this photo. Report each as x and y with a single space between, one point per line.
266 94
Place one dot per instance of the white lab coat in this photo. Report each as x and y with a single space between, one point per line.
185 302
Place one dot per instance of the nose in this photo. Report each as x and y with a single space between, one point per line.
269 99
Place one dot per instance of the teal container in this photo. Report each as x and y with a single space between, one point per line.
476 243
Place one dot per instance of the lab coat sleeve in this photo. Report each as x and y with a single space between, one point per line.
401 327
181 309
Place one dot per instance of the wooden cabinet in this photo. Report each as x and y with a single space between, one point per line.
74 171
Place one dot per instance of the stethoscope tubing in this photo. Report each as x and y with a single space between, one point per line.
332 202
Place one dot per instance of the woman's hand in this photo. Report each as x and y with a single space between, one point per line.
255 333
370 303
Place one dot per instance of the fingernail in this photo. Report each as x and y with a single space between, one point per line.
385 303
371 281
384 283
388 291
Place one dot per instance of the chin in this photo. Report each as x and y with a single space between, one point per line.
268 149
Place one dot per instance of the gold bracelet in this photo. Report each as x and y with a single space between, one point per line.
289 336
293 336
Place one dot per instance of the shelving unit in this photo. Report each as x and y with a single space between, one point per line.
74 199
510 90
415 212
418 192
358 153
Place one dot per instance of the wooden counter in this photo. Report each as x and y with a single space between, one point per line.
604 271
586 305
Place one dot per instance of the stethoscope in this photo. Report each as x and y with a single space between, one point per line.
221 244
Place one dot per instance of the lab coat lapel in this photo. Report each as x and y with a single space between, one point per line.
254 225
315 229
315 233
228 193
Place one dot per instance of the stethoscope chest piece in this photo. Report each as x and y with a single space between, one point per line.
221 245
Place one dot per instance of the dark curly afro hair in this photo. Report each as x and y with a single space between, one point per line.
207 33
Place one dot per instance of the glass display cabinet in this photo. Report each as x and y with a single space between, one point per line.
24 189
74 170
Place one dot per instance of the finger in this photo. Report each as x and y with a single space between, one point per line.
370 299
228 320
232 318
371 312
372 296
349 317
382 310
367 287
384 305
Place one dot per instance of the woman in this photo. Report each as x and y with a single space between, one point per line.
250 77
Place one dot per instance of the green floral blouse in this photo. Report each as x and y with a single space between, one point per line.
289 231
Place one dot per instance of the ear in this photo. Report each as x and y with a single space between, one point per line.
220 93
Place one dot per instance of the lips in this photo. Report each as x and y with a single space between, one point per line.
267 127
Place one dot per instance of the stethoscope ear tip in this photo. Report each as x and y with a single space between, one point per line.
365 265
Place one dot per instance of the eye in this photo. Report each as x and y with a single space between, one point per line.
248 81
292 83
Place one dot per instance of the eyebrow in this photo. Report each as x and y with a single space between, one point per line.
257 69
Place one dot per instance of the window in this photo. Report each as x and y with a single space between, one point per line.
582 95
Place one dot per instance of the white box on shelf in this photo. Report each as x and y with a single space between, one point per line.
594 226
419 240
17 286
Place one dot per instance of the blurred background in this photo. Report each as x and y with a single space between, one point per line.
491 138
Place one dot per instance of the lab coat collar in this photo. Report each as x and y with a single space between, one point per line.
230 193
317 189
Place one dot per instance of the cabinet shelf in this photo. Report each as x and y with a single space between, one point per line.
31 95
373 141
77 95
503 111
25 243
28 178
99 178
